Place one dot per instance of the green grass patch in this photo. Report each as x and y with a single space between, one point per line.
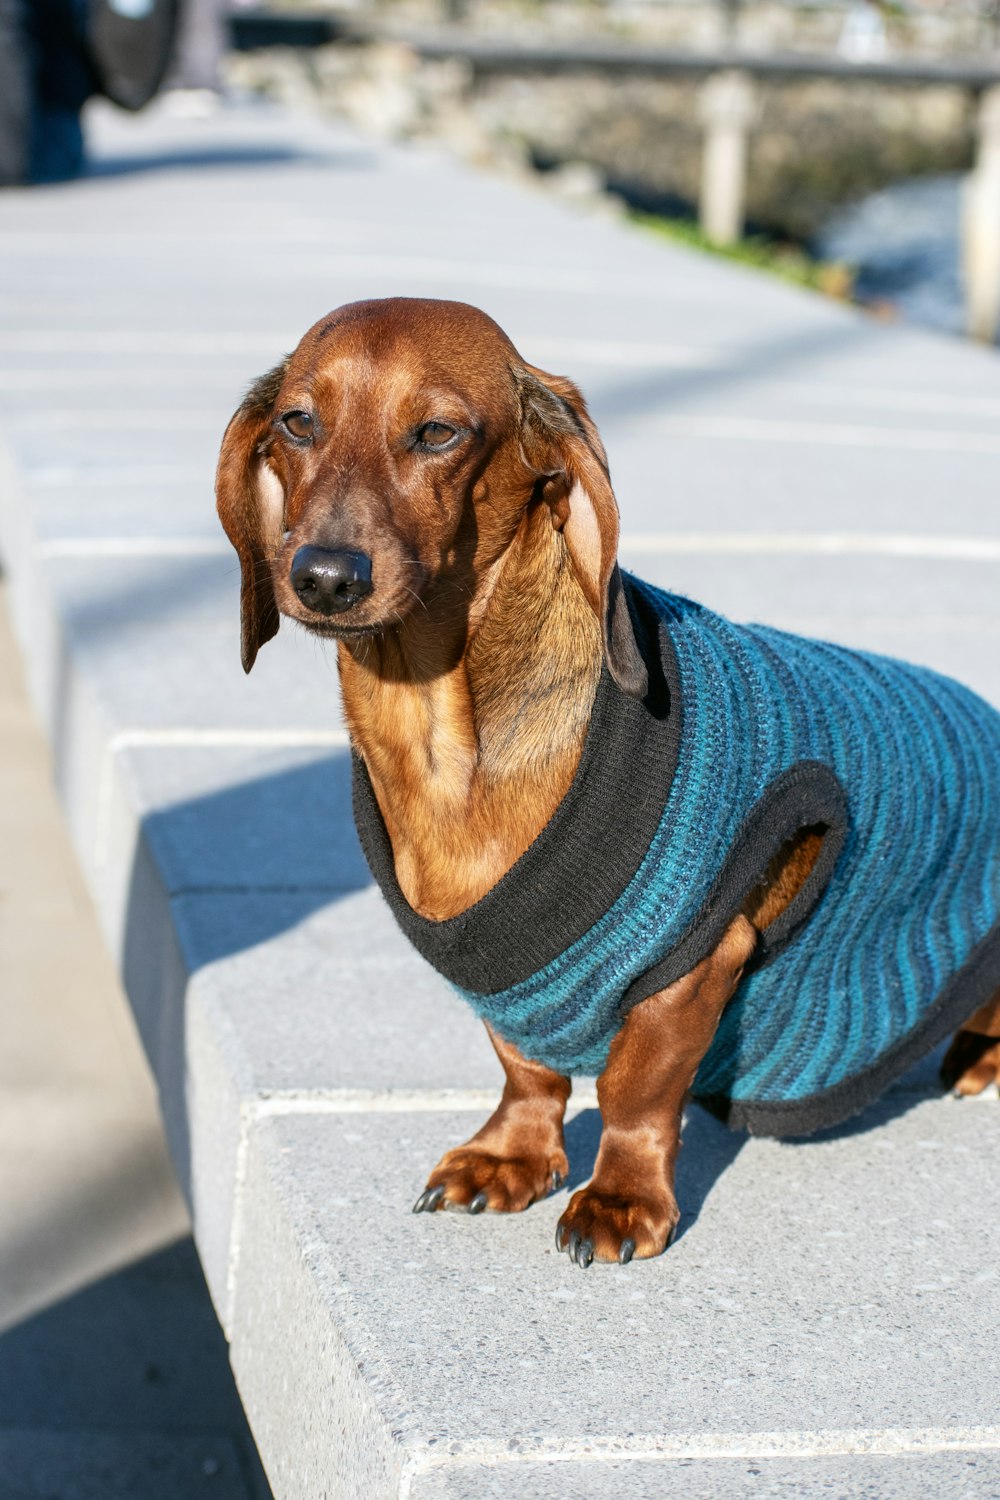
777 257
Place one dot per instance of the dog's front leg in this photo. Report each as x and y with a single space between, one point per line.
518 1156
629 1208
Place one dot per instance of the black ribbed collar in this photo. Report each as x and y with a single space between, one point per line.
586 854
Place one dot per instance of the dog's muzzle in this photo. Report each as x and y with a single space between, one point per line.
330 582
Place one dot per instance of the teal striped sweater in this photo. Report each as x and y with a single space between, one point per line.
748 734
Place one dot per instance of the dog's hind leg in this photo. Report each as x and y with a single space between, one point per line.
518 1156
972 1062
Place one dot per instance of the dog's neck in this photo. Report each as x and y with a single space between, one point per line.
472 728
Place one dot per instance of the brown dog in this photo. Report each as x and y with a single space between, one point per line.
407 486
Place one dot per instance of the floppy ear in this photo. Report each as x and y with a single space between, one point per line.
562 443
250 503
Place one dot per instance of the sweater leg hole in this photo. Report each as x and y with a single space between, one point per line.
786 874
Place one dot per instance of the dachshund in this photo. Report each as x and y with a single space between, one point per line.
406 485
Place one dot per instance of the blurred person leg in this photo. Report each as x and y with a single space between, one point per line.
45 78
15 93
63 81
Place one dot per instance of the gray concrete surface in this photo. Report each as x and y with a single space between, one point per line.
826 1323
85 1180
114 1381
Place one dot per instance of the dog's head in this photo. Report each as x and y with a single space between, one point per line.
386 465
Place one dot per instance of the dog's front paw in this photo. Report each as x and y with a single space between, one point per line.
607 1226
475 1180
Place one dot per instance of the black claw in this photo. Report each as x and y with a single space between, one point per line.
672 1236
478 1204
557 1182
428 1200
626 1252
574 1240
584 1253
560 1238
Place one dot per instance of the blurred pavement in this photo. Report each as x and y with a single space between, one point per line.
114 1381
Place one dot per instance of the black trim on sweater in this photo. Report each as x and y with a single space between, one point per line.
585 856
808 793
557 890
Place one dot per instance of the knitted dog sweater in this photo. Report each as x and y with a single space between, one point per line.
678 804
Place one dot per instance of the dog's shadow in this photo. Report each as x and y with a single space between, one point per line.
710 1147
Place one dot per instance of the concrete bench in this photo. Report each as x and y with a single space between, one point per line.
827 1318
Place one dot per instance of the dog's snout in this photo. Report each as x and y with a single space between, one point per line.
330 582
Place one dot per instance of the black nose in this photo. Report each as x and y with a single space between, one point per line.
330 582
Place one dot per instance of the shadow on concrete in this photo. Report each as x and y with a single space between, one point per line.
288 834
708 1150
203 158
284 841
138 1355
661 390
146 593
96 1220
583 1136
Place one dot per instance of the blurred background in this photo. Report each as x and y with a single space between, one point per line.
853 145
840 133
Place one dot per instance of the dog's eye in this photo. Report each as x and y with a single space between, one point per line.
299 424
435 435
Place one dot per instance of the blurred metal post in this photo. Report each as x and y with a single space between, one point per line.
981 224
730 23
726 109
